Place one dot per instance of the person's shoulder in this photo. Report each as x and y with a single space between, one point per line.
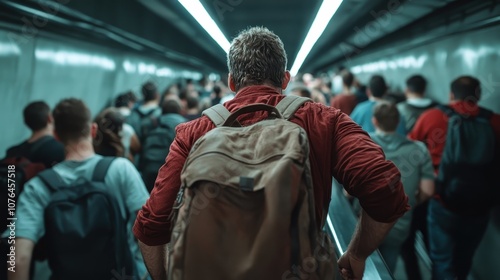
14 150
432 113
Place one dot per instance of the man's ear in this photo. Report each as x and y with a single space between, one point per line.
286 80
230 82
93 130
452 97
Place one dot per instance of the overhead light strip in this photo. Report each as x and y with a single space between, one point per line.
196 9
323 17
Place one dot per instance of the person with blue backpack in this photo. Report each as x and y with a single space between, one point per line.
464 141
82 209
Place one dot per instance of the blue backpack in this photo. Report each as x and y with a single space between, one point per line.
465 179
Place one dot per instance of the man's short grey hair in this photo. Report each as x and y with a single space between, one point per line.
257 56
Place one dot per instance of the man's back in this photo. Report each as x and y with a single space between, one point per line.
122 179
431 128
338 147
46 150
344 102
414 163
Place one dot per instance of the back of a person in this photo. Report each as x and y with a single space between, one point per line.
319 121
411 112
362 115
337 146
407 156
344 102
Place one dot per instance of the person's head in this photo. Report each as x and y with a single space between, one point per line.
347 78
124 100
257 57
171 106
217 91
149 92
37 116
377 86
301 91
111 120
73 121
416 85
466 88
192 103
108 140
385 116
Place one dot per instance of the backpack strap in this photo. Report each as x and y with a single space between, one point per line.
217 114
101 168
290 104
51 179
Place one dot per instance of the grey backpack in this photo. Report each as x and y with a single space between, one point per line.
245 209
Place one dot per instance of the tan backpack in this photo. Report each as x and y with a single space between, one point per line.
246 205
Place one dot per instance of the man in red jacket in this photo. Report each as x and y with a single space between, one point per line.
339 147
454 235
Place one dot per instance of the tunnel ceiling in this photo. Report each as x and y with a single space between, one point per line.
165 28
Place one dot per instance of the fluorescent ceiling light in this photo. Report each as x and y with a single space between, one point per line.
325 13
196 9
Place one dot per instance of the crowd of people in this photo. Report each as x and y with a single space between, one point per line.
401 161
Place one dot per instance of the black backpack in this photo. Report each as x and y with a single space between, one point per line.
465 179
155 148
142 123
85 233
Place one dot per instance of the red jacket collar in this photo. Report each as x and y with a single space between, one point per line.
260 89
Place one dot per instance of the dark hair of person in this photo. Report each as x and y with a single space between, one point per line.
217 90
123 100
36 115
257 56
72 120
377 86
347 78
171 106
387 116
192 102
149 91
466 88
108 141
416 84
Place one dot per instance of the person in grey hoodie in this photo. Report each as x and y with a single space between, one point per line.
417 174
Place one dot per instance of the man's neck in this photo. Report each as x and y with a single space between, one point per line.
192 111
381 132
376 99
412 95
47 131
79 151
151 103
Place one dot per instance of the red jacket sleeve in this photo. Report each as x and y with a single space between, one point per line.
360 165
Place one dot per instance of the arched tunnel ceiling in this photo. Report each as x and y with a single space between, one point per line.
164 27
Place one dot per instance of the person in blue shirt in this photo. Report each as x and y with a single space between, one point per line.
363 112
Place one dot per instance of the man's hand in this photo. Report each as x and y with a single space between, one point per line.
350 267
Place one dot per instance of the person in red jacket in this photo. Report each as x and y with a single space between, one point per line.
454 236
257 64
